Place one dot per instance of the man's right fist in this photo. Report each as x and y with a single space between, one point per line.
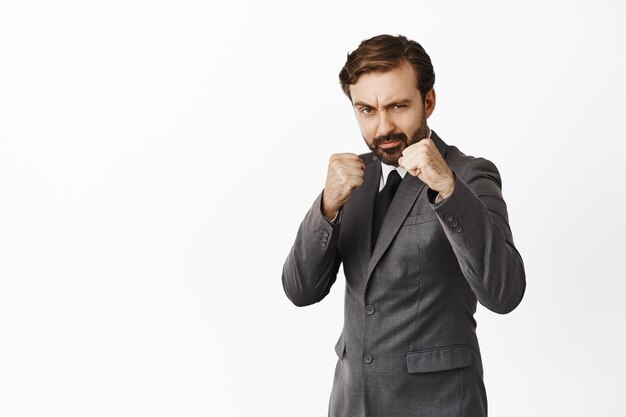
345 173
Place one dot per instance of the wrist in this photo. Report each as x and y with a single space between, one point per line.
448 190
330 215
328 212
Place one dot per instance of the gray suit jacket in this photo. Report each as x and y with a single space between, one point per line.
408 346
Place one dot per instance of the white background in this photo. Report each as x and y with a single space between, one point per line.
157 157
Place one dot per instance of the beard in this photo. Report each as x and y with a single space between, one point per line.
390 156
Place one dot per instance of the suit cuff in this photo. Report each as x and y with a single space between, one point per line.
458 207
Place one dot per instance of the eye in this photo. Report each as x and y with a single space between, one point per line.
399 106
367 110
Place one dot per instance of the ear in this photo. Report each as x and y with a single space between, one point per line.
429 102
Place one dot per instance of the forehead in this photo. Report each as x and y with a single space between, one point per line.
375 87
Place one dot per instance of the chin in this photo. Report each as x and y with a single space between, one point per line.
389 158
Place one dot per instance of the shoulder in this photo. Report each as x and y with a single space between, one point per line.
470 166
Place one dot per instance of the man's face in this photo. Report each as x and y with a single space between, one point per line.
390 111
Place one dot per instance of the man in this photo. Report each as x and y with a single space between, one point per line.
423 234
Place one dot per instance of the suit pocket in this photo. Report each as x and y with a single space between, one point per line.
439 359
340 347
420 218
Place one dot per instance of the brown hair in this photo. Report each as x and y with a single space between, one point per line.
384 53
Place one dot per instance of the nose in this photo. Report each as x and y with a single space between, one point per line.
385 124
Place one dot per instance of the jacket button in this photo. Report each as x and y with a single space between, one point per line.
458 229
453 223
449 217
325 233
323 244
367 358
369 309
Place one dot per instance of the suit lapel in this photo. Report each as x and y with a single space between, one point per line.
410 188
362 203
408 192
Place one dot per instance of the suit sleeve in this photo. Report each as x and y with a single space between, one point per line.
312 264
475 221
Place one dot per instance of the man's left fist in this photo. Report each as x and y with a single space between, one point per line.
422 159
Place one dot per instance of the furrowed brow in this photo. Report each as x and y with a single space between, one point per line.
397 102
362 104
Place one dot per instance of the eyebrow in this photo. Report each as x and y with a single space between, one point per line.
387 106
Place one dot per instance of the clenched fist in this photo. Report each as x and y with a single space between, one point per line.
422 159
345 173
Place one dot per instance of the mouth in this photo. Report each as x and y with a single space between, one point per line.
388 145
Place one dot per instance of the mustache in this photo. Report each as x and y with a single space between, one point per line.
390 138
